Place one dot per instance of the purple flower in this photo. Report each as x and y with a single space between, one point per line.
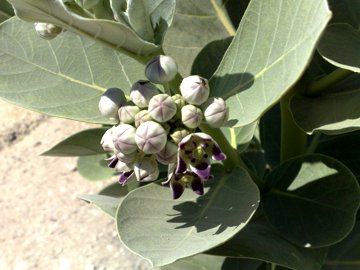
194 154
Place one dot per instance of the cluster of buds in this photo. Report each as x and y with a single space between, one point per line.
155 127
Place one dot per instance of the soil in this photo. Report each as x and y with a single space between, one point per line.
43 224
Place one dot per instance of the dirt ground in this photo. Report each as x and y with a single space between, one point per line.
43 224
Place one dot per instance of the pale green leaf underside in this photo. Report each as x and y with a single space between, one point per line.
340 45
195 24
163 230
94 167
110 32
333 113
268 54
64 77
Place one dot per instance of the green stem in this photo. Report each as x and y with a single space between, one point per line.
316 88
167 88
233 159
293 139
314 143
273 266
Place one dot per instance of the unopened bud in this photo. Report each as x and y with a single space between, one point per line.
124 167
47 31
111 101
216 112
161 69
126 158
146 169
142 117
141 93
107 141
179 134
124 138
195 89
127 112
168 154
191 116
150 137
87 4
162 108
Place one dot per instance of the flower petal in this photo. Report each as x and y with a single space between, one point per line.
126 177
113 162
197 186
177 189
202 170
217 154
181 166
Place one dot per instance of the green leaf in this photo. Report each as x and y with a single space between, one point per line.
312 201
117 190
106 203
180 228
113 33
346 254
6 11
345 11
83 143
268 54
340 45
331 113
208 262
240 137
195 24
94 168
64 77
150 19
259 241
348 152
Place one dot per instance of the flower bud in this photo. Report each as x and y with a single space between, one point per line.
179 134
146 169
141 93
124 138
150 137
127 112
47 31
126 158
162 108
191 116
142 117
87 4
124 167
107 141
111 101
216 112
168 154
161 69
195 89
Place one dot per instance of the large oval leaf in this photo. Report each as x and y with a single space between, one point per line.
112 33
83 143
269 52
6 11
64 77
94 168
258 240
195 24
340 45
313 200
163 230
107 204
331 113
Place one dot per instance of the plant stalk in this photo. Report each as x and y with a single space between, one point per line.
316 88
293 139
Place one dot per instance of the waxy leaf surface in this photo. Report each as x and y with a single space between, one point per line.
269 52
94 168
64 77
189 225
107 204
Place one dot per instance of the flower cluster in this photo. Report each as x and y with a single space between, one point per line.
155 127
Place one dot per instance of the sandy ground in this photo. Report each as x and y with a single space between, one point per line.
43 224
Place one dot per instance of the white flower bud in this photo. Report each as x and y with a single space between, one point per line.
168 154
179 134
124 138
87 4
111 101
216 112
146 169
127 112
107 141
47 31
195 89
124 167
191 116
141 93
150 137
126 158
162 108
161 69
142 117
